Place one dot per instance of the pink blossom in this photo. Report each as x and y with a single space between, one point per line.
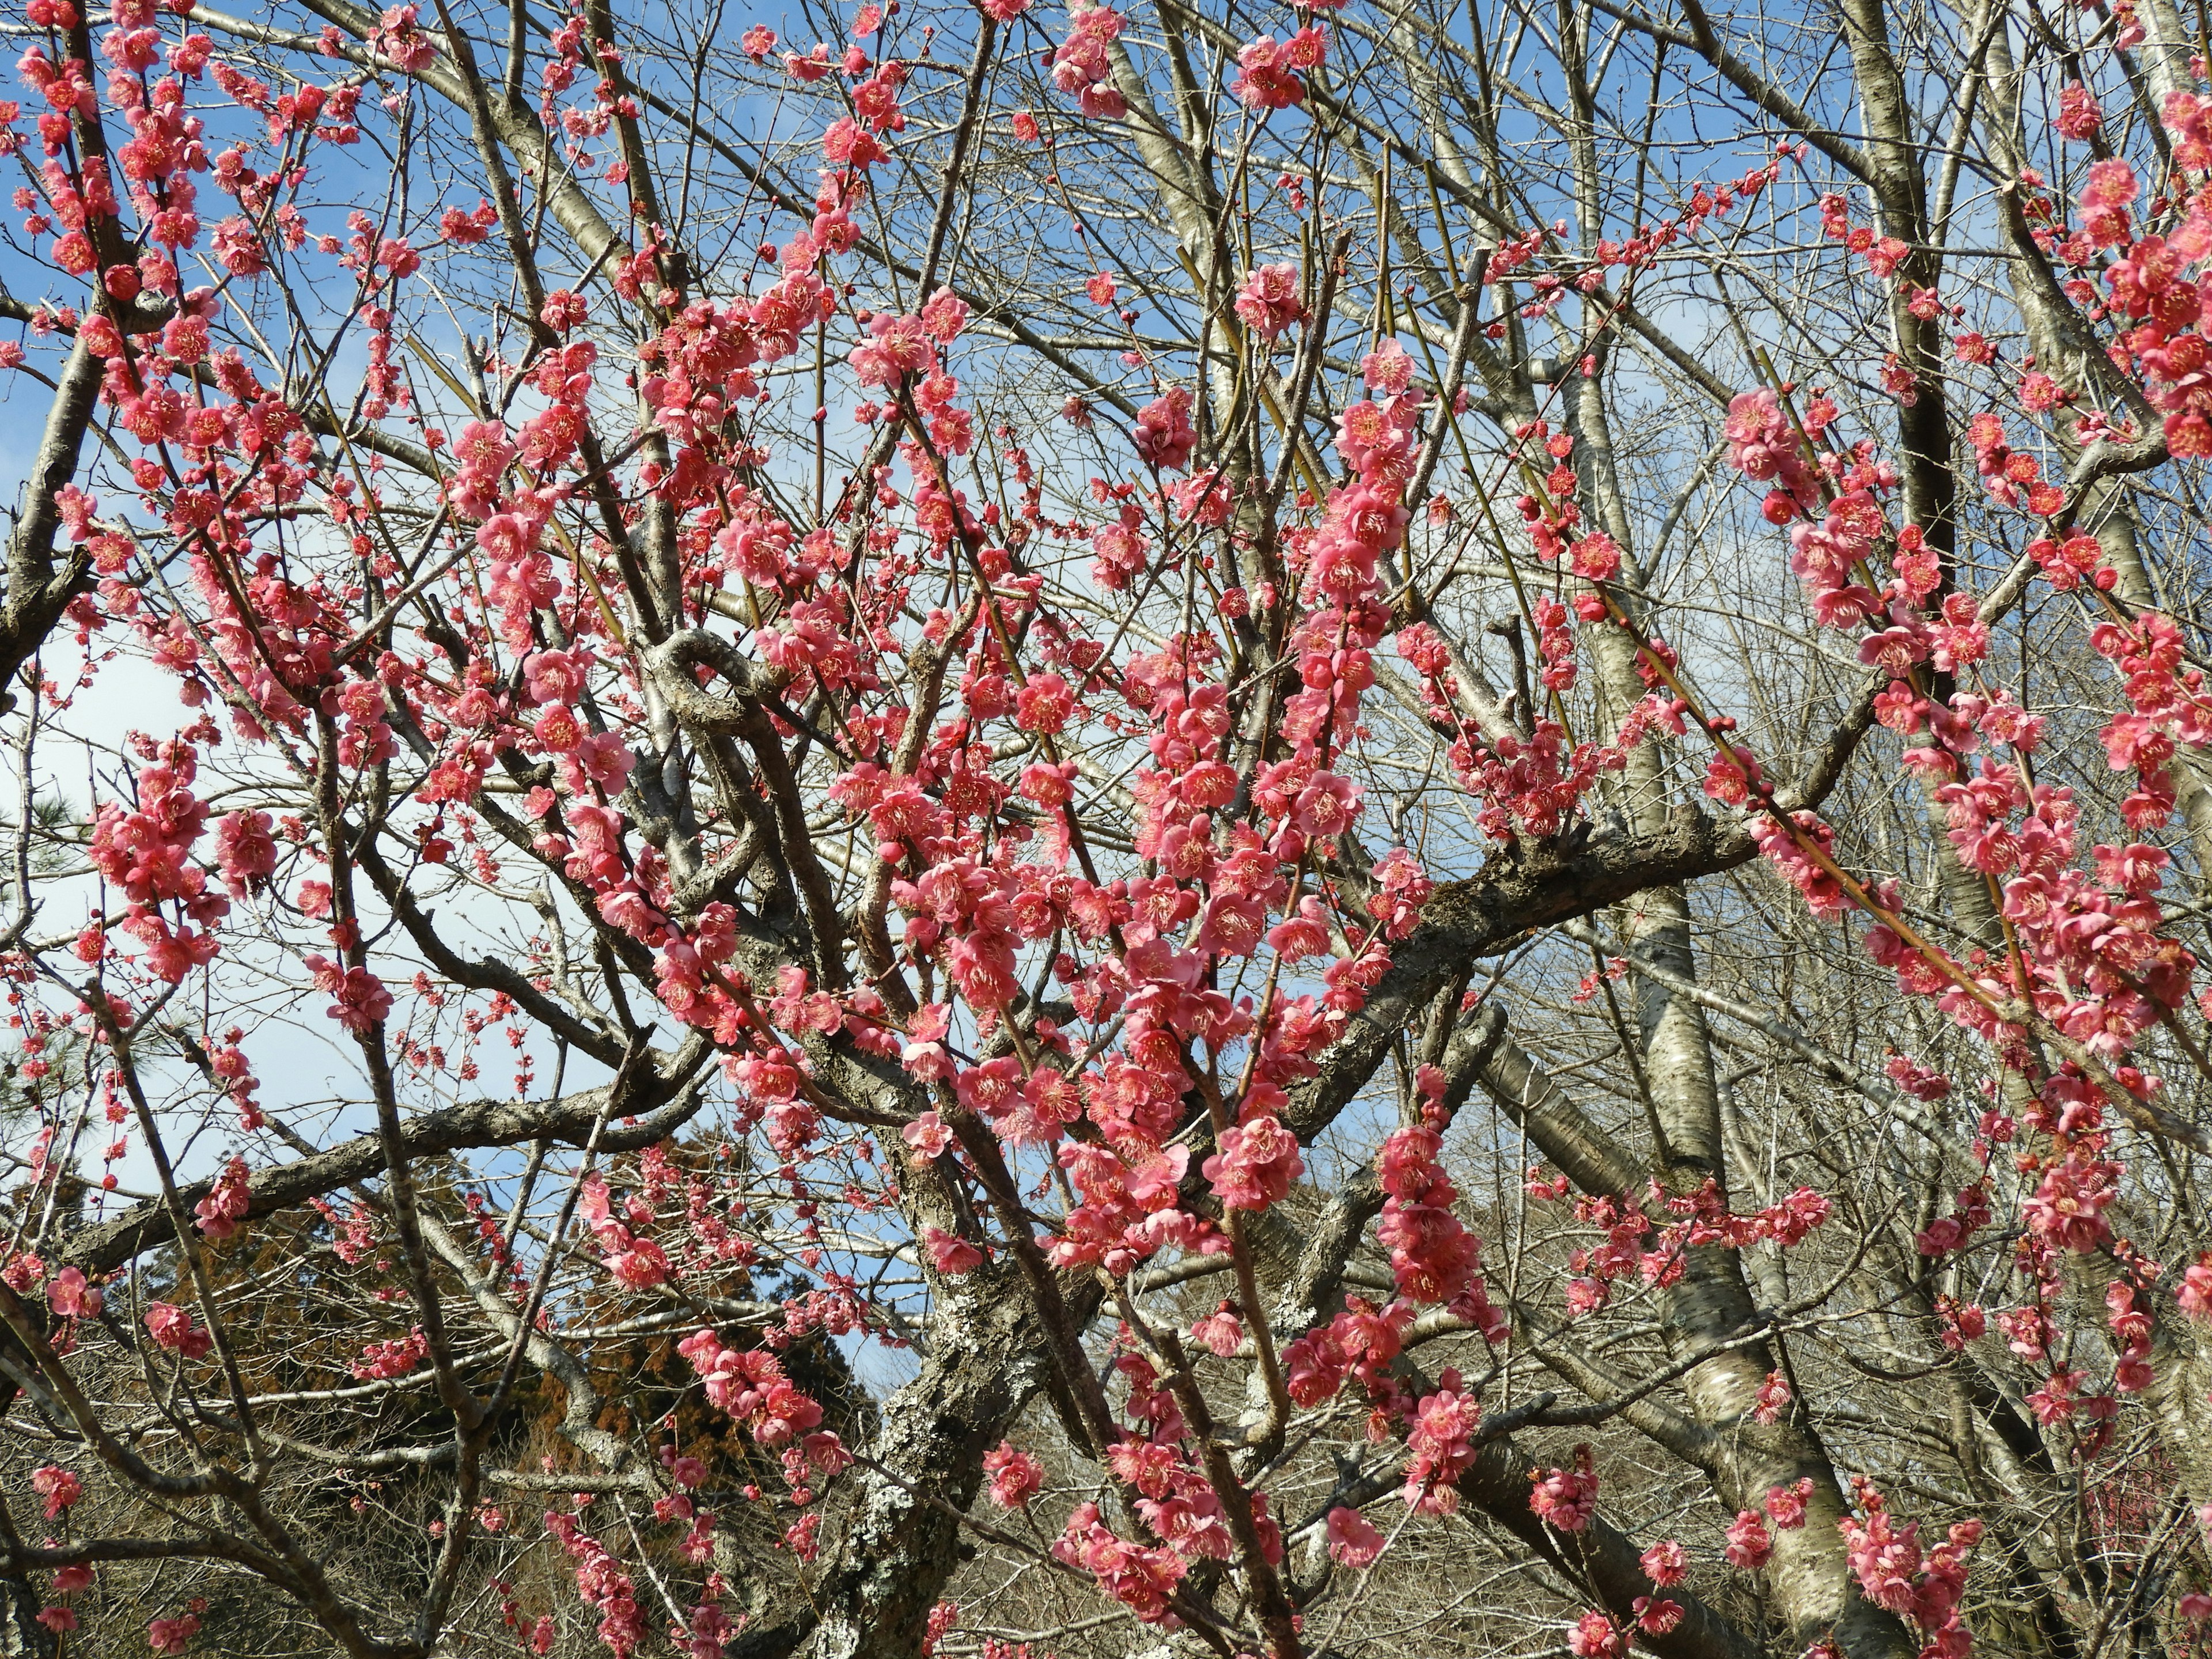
1140 1577
57 1487
1594 1635
2078 114
1220 1331
1353 1539
1256 1165
1164 435
1269 300
1442 1442
1567 1498
70 1296
172 1635
1265 79
401 39
1785 1505
359 998
1044 703
750 1387
1015 1476
1748 1544
173 1329
929 1135
602 1586
1772 1399
245 851
1666 1562
218 1214
951 1256
393 1358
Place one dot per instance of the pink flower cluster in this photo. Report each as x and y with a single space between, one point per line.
1564 1500
172 1635
1442 1444
1433 1255
1360 1342
1015 1476
1897 1574
1269 301
1267 76
218 1214
56 1488
631 1256
1595 1636
1142 1577
602 1584
70 1294
1080 66
384 1360
1354 1542
148 854
749 1385
175 1329
1181 1506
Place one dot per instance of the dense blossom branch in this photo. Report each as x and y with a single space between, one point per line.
1062 830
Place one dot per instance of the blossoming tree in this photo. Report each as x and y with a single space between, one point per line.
997 830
